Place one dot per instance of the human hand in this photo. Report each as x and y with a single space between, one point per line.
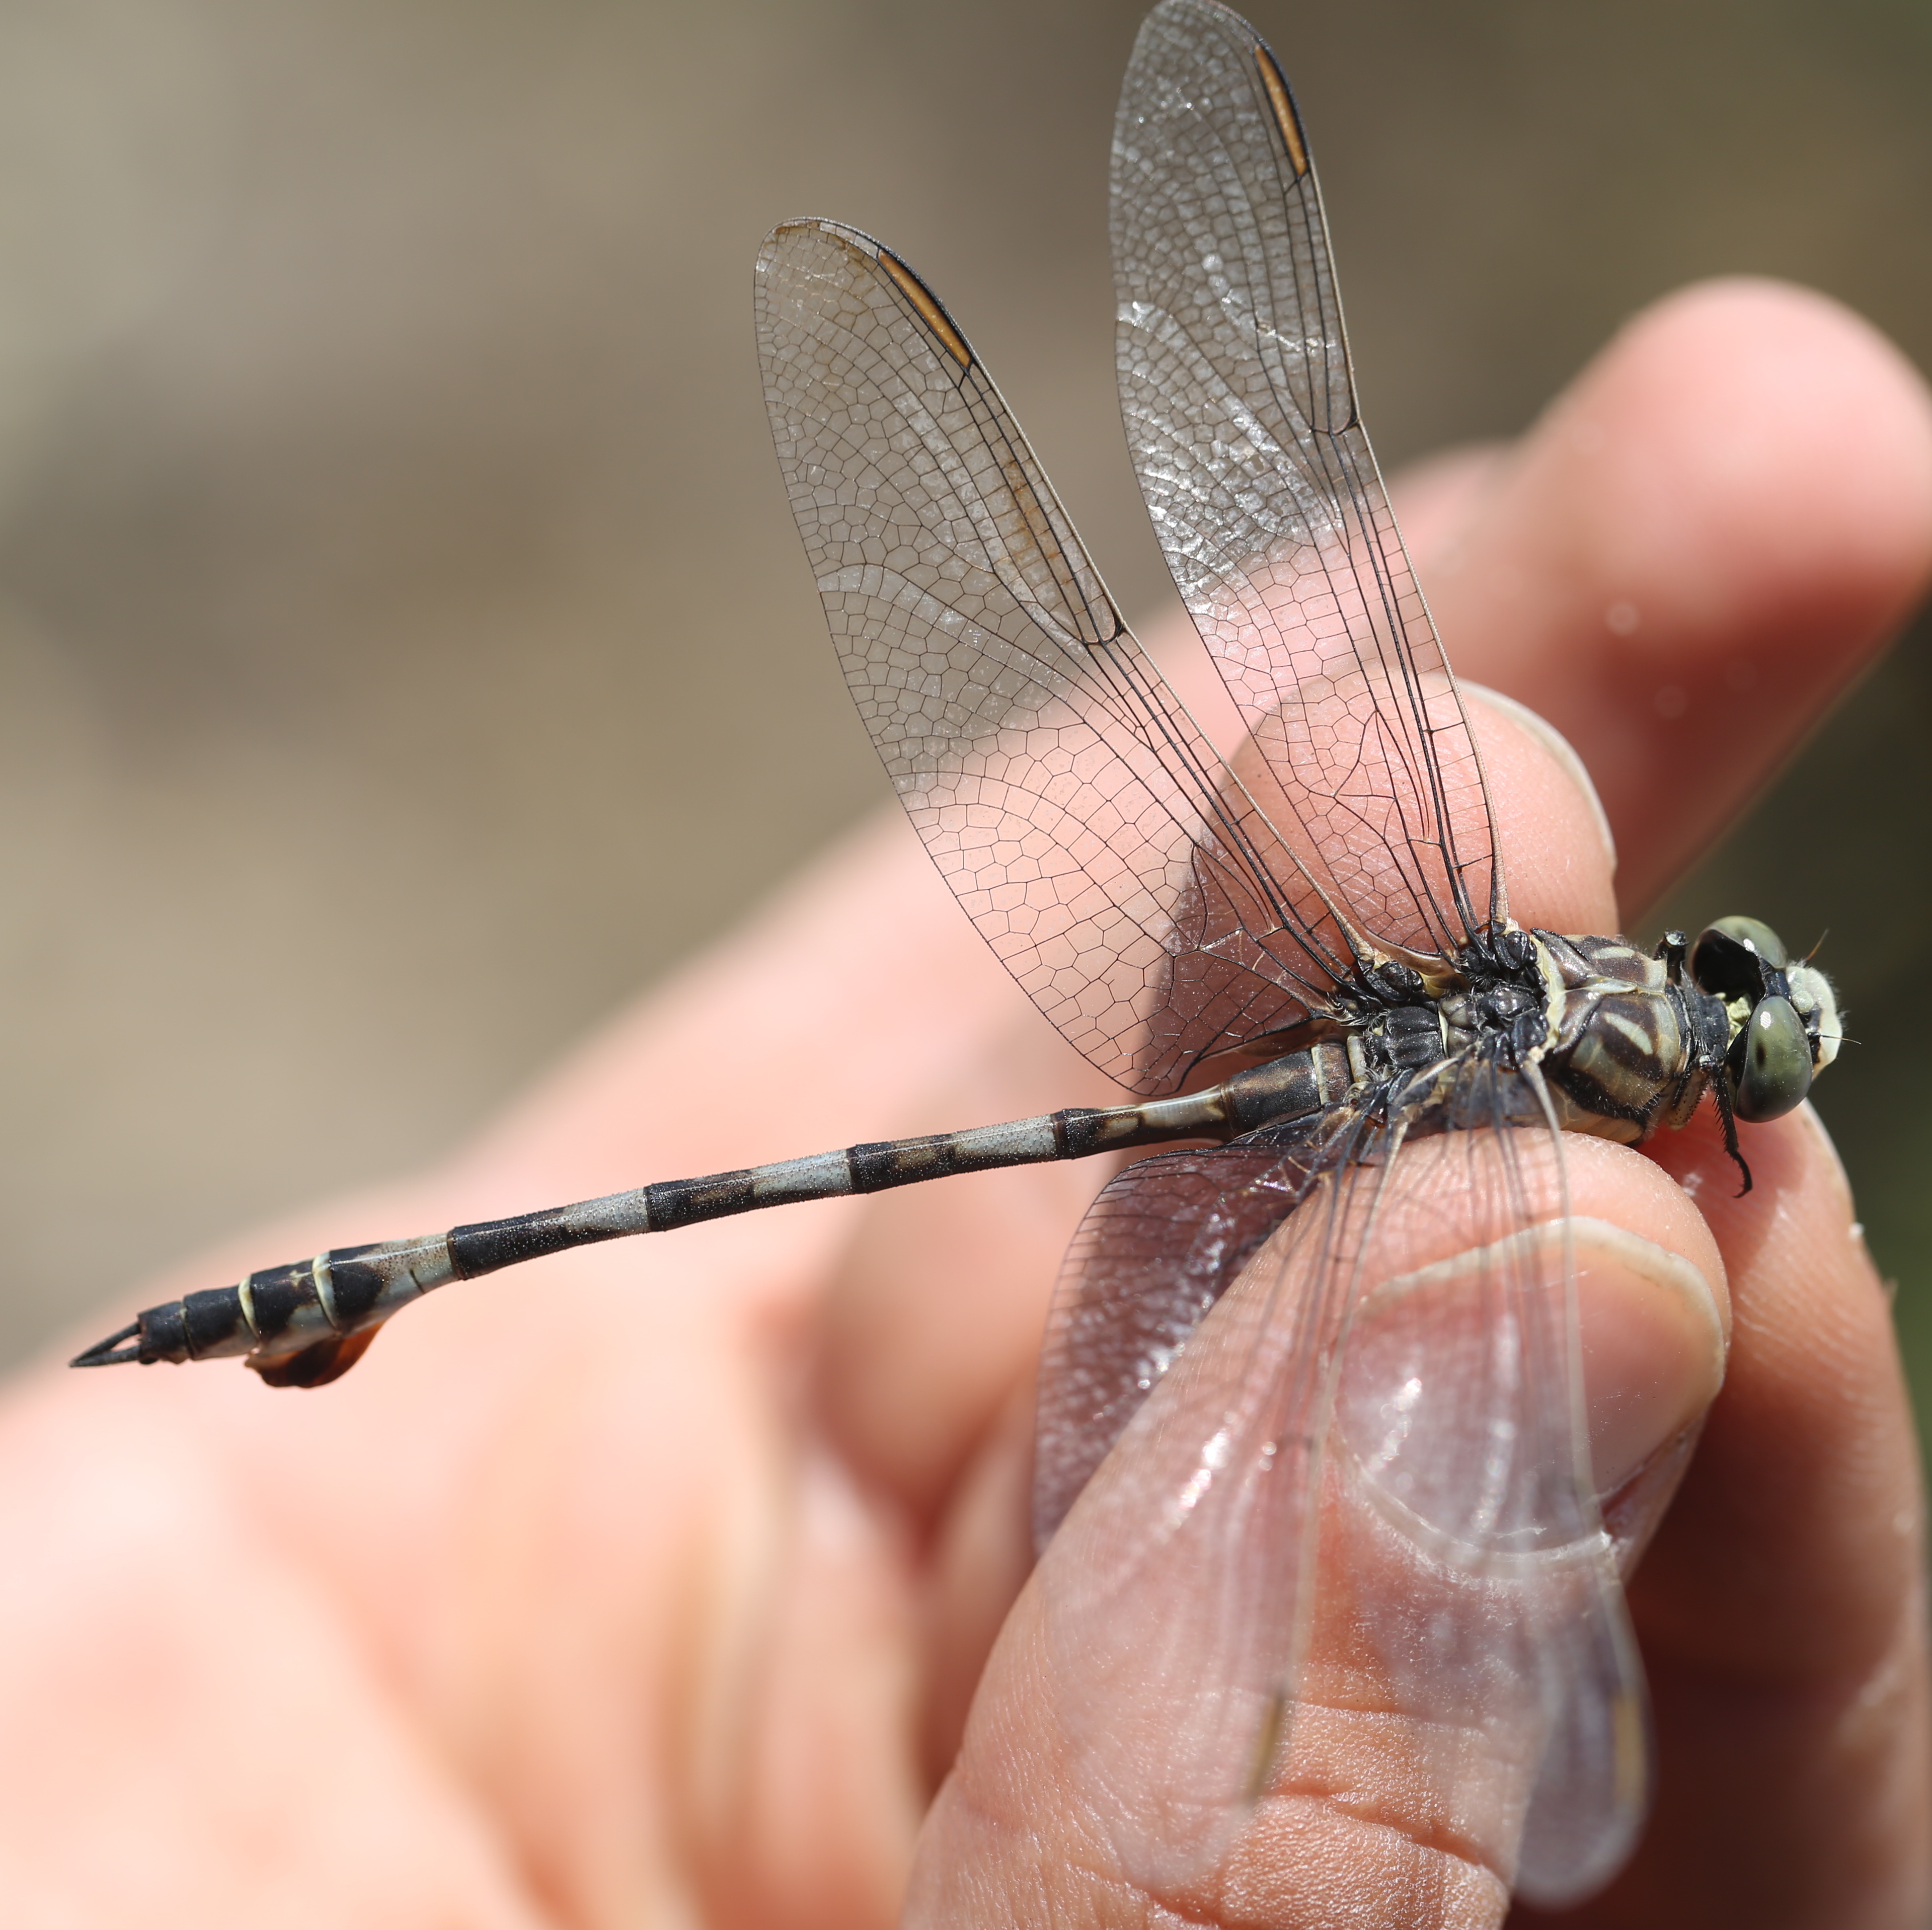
655 1583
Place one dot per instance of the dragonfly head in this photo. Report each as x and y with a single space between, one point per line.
1785 1024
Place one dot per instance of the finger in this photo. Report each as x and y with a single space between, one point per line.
1438 497
1692 554
1780 1608
1060 1805
1552 838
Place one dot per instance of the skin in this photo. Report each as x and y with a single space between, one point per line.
652 1584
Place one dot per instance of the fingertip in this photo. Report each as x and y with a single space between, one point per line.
1435 498
1696 549
1558 852
1751 420
1786 1530
1780 1606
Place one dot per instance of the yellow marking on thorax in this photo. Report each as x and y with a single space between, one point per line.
1639 1036
1276 88
923 298
1555 995
1358 1058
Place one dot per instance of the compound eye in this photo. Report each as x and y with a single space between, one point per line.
1729 955
1776 1072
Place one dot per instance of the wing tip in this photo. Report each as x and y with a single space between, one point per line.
814 225
1275 91
932 313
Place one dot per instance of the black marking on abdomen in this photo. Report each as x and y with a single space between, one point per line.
354 1285
681 1202
491 1244
879 1164
295 1322
276 1295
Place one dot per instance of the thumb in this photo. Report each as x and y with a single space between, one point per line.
1134 1753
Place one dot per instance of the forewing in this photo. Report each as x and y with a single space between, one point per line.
1240 411
1084 823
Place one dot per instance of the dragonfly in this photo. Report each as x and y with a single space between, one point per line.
1299 959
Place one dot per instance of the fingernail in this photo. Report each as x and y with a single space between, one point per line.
1653 1346
1431 1386
1559 748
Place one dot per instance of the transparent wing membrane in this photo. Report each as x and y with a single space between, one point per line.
1089 829
1240 411
1460 1512
1351 1490
1155 1252
1175 1592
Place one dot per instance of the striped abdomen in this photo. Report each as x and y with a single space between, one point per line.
301 1325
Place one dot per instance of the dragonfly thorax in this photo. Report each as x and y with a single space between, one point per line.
1493 1006
1635 1045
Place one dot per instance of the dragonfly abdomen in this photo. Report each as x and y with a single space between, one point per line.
300 1324
304 1324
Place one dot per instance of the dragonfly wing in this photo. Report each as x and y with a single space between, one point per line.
1174 1594
1240 411
1155 1252
1081 818
1463 1516
1328 1401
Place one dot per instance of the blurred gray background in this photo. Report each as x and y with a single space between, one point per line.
405 651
